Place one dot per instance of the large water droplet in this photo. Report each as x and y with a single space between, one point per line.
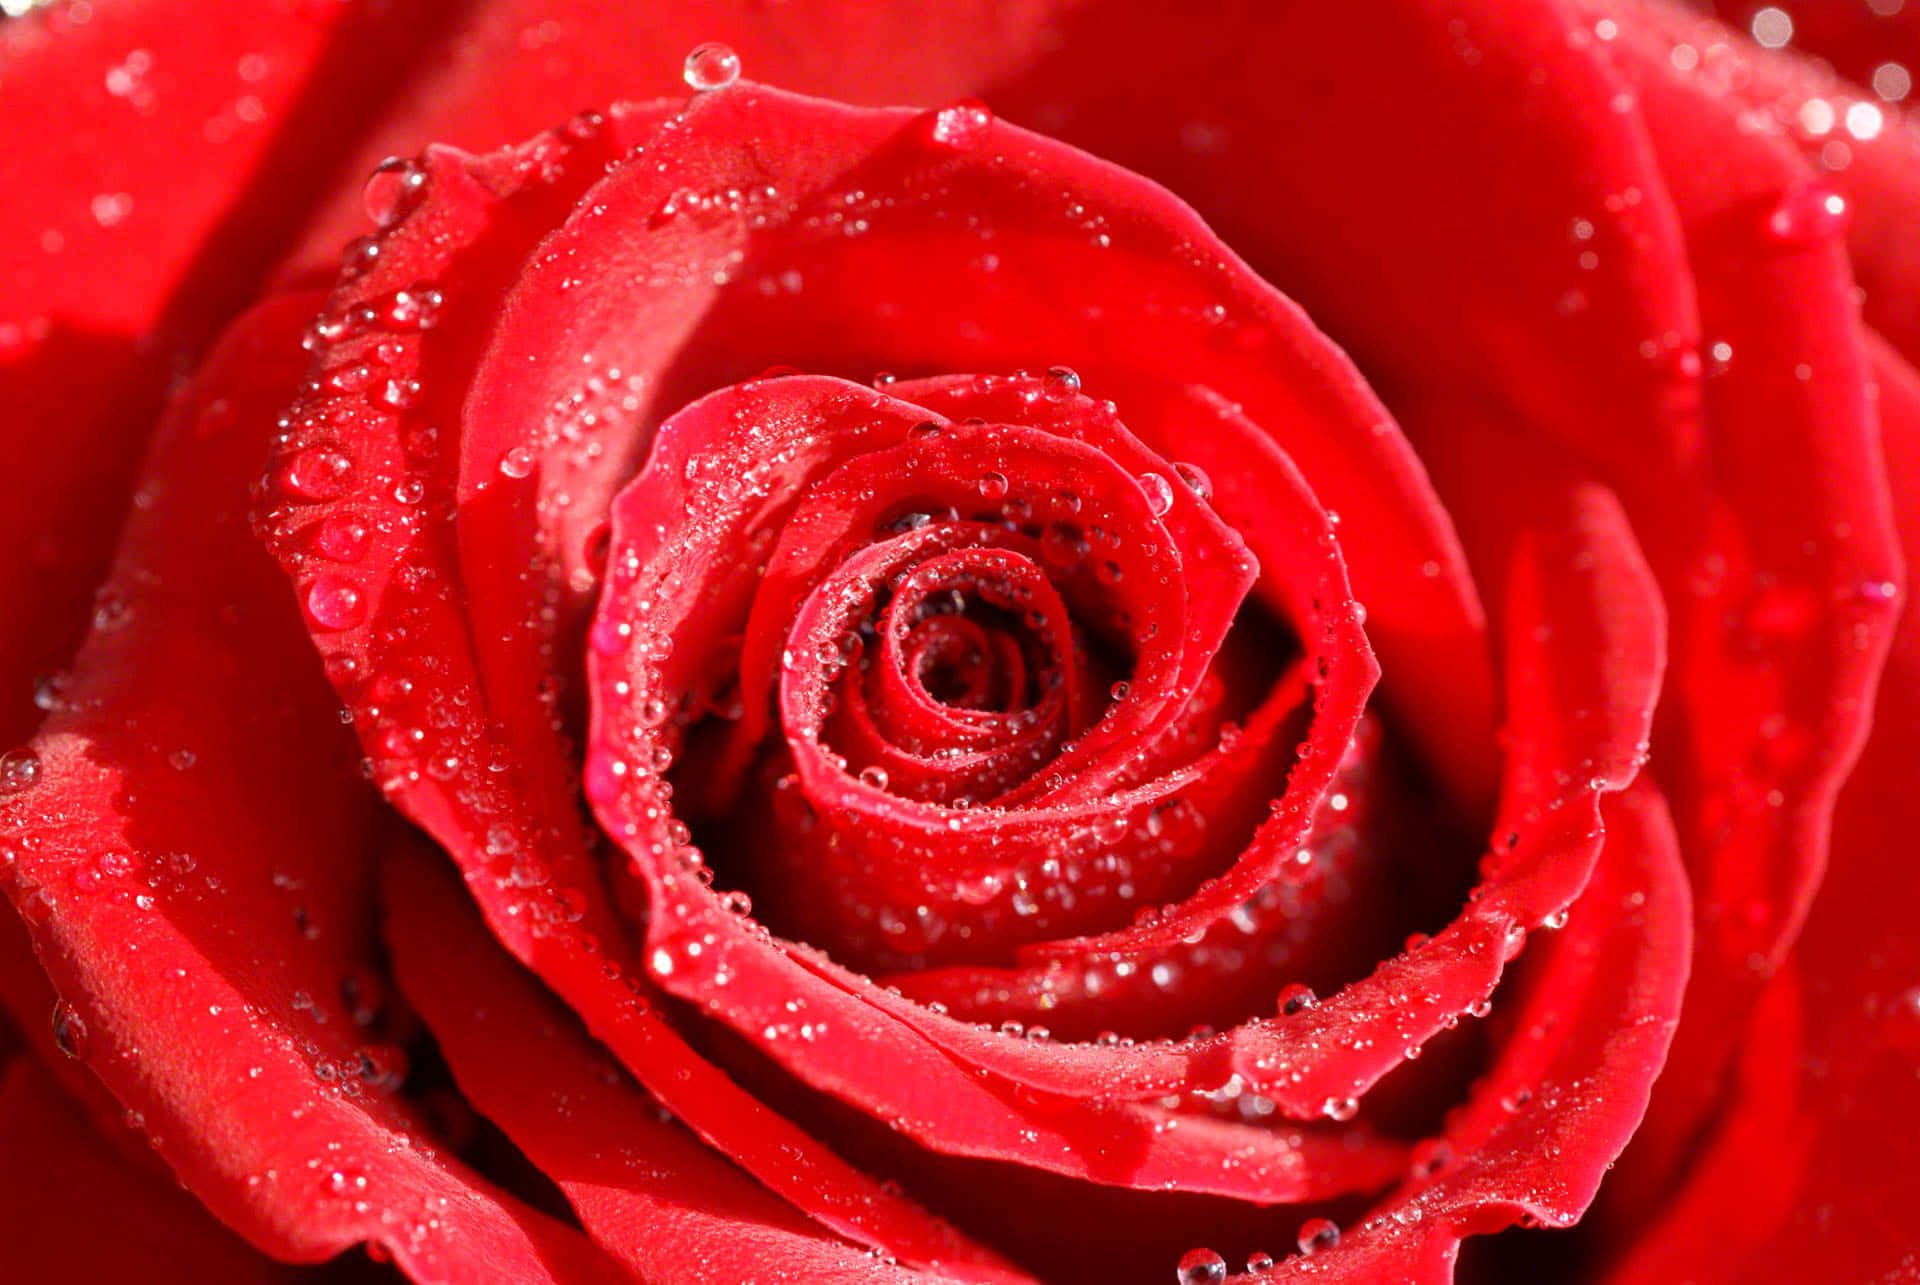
1159 493
318 473
393 190
517 463
69 1030
711 66
1061 383
334 602
1201 1267
1195 478
341 538
19 769
1297 998
1317 1234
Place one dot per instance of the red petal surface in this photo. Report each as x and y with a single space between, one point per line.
647 1190
1808 1173
190 861
62 1183
1590 1031
116 275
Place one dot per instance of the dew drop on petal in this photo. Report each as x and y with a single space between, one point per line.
393 189
1061 383
1159 493
710 66
1196 479
961 125
318 473
340 538
1297 998
334 603
19 770
517 463
1259 1263
1317 1234
69 1030
1201 1267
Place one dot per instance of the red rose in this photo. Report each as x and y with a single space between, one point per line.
869 604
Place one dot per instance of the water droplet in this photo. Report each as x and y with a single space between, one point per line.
50 692
1317 1234
1429 1157
69 1030
993 485
1061 383
517 463
710 66
1195 478
1297 998
1159 493
340 538
1259 1263
345 1182
874 775
1201 1267
401 394
335 603
1340 1110
318 473
1808 212
736 903
415 308
393 190
19 770
961 125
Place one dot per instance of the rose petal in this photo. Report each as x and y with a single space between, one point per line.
118 274
1565 1093
646 1190
188 862
61 1182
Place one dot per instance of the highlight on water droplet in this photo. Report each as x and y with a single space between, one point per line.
1807 212
711 66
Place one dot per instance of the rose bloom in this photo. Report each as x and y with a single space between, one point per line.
1257 641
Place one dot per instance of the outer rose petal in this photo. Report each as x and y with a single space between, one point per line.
1567 1089
1826 1102
1567 305
648 1191
195 803
60 1183
115 275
